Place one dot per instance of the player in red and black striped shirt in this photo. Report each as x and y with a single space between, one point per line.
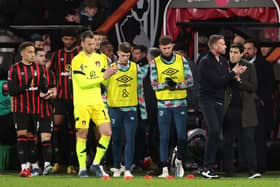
25 82
63 105
45 121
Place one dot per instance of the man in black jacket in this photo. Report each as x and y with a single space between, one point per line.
213 78
266 87
139 55
240 113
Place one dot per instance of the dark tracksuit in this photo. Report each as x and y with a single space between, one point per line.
214 75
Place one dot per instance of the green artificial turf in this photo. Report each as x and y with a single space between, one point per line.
271 179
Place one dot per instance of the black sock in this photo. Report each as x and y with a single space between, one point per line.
21 149
72 146
32 150
147 151
55 143
47 151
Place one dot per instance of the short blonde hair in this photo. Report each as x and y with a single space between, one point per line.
213 39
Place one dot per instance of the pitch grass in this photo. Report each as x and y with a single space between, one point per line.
270 179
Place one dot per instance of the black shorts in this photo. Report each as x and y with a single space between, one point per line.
64 107
44 125
24 121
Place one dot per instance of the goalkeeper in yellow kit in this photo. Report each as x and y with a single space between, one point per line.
88 72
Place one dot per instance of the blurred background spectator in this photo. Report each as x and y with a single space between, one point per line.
91 13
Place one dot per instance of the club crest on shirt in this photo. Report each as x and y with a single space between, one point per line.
67 67
97 63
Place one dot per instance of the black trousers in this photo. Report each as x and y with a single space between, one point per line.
261 140
213 115
246 136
